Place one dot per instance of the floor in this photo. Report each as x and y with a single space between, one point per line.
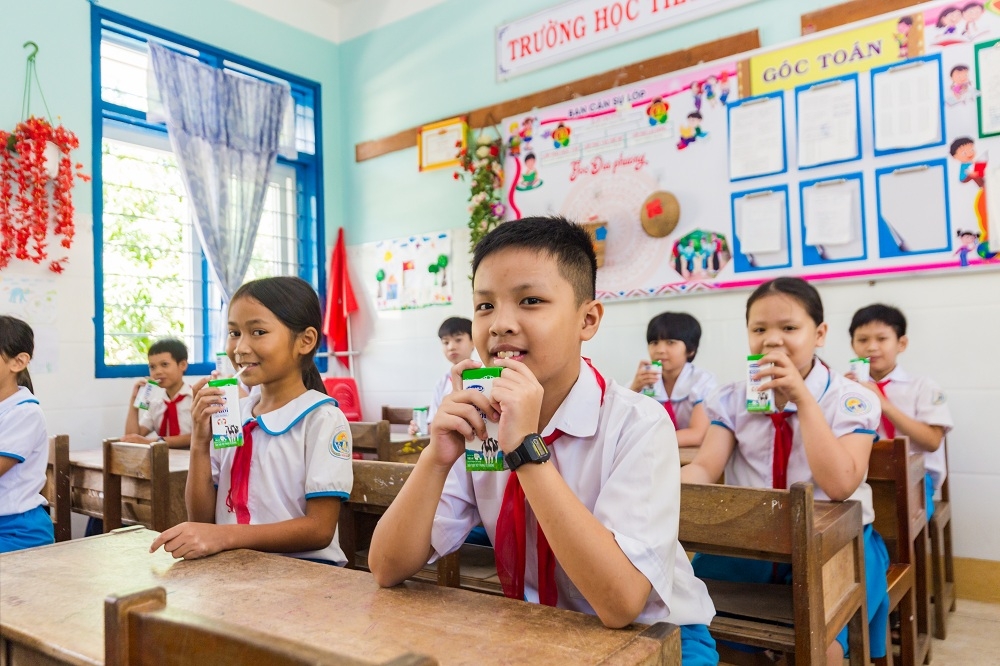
973 636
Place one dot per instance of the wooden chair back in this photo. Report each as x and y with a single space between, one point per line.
897 482
397 415
149 464
942 555
56 490
828 585
139 630
371 437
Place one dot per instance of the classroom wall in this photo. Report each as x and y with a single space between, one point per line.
74 401
440 63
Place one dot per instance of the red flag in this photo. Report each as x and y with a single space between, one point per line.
340 301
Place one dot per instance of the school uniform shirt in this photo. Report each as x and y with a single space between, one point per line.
300 451
847 406
152 418
613 459
922 399
693 385
23 437
441 389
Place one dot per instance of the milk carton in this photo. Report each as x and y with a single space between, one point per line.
223 366
757 400
651 389
420 417
227 430
148 394
483 456
861 367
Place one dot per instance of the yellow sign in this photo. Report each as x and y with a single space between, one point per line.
845 53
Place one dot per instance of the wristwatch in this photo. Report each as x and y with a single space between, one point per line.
532 450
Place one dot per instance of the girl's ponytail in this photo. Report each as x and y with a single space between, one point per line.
311 377
24 379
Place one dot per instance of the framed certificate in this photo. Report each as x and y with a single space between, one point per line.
438 143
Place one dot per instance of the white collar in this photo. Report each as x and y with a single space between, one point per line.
284 418
185 389
683 385
898 375
580 411
817 381
19 397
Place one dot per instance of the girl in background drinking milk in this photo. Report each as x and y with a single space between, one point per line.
280 491
821 431
24 444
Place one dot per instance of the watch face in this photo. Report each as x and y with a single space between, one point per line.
536 447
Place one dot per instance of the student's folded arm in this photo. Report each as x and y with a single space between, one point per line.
838 463
178 441
401 543
6 464
710 463
694 434
314 531
924 436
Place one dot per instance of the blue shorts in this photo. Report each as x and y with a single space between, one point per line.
26 530
739 570
697 646
929 492
478 537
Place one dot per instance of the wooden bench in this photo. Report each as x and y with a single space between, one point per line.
146 462
824 543
56 490
140 630
371 437
942 556
397 415
897 482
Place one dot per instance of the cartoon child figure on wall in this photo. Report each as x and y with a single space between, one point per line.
961 89
903 36
657 111
529 177
972 168
968 242
691 131
971 13
723 87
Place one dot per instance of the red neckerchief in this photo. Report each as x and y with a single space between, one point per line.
669 406
783 438
171 425
239 476
890 429
511 535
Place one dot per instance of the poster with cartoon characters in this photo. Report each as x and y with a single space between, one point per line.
894 179
412 272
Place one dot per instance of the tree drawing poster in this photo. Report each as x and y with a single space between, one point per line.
413 272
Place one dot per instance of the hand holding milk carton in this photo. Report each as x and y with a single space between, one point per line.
480 455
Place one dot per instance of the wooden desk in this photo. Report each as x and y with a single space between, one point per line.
52 602
86 470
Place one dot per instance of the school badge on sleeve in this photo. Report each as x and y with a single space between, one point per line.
340 445
856 405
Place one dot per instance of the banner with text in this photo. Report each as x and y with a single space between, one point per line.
581 26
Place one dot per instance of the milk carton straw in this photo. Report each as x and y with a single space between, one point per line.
420 415
147 394
483 456
651 389
861 368
227 430
757 400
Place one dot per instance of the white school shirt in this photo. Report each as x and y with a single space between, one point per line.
23 437
152 418
300 451
922 399
693 385
441 389
847 406
613 459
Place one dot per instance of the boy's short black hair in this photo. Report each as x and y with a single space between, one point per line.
177 349
958 143
675 326
568 243
882 314
455 326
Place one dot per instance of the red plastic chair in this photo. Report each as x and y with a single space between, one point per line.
345 391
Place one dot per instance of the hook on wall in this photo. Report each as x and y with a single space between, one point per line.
34 52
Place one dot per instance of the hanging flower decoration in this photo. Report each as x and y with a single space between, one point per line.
482 163
31 197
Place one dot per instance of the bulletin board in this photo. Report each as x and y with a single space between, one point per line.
851 154
411 272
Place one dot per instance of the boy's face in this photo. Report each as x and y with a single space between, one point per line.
878 341
966 153
523 304
672 354
457 347
167 372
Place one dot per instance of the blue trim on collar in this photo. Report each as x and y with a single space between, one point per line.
298 418
329 493
7 454
697 402
720 423
29 401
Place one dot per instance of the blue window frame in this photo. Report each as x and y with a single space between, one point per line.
140 214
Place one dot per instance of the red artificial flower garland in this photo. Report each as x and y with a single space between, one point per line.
24 192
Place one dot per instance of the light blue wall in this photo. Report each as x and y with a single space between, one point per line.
440 63
62 30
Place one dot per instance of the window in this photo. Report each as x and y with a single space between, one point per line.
151 276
